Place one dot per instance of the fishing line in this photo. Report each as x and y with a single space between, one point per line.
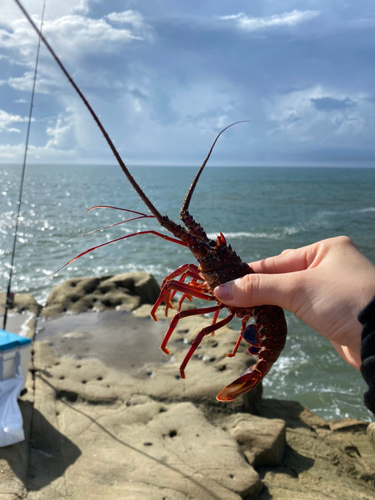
10 296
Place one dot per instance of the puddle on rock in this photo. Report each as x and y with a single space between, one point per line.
118 338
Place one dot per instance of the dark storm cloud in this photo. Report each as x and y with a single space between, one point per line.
331 104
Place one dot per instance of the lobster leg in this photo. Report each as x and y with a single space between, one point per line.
199 337
184 296
243 327
186 270
235 349
184 314
182 299
192 268
214 319
182 280
187 288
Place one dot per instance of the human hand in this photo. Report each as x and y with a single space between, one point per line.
325 284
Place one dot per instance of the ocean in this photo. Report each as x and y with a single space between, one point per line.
261 211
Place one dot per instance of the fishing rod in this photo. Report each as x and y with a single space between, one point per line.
10 295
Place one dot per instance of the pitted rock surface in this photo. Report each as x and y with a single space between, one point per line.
96 432
124 292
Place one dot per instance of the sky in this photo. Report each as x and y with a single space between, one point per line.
167 75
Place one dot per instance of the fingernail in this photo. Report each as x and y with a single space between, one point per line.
224 292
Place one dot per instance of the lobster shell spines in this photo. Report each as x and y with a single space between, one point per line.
222 265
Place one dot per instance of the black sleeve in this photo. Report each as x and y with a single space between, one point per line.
367 318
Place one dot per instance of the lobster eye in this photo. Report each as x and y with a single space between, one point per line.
212 243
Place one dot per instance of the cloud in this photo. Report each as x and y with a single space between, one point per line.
7 118
131 17
24 82
331 104
204 108
322 116
59 133
56 148
10 11
76 32
59 137
15 152
45 84
81 6
165 80
289 19
81 41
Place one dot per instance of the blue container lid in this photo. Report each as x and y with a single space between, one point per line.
11 341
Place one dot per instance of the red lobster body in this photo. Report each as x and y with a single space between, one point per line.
218 263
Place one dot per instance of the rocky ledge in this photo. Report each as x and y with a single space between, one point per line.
96 432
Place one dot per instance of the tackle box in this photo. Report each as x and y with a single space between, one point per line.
14 350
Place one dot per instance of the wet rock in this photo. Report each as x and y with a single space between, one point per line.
91 379
97 432
124 292
209 369
143 285
371 434
348 424
108 431
22 315
207 373
318 463
22 303
262 440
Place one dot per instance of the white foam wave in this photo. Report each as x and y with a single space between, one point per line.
291 230
274 235
362 210
244 234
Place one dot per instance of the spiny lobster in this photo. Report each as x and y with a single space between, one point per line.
218 263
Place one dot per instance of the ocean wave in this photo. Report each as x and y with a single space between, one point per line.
244 234
362 210
272 235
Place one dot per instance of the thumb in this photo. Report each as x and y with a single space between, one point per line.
261 289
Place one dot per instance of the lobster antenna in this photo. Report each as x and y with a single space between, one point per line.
111 225
124 168
190 192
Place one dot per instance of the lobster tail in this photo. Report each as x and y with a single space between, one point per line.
249 379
